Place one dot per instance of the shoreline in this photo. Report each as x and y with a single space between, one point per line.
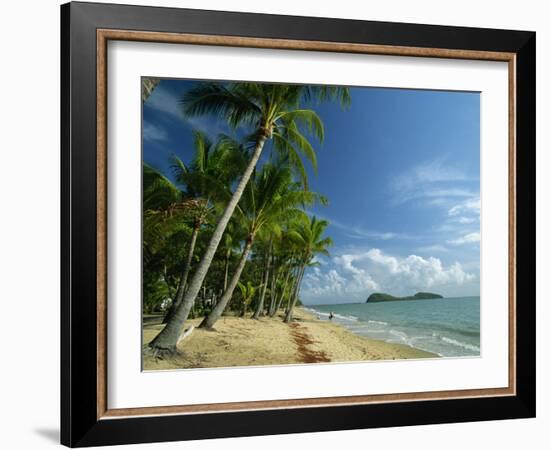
240 341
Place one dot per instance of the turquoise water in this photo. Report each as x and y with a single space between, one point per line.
448 327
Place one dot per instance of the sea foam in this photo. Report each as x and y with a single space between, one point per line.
471 347
335 315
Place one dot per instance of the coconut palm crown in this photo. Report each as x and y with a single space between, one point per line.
307 234
271 111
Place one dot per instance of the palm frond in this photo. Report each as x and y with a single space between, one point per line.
289 153
158 191
306 118
292 135
231 103
327 93
179 169
203 146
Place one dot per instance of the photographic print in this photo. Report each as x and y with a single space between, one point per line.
295 224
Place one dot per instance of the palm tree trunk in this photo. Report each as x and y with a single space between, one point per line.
281 295
260 306
293 286
185 273
226 272
216 313
166 340
273 294
165 277
288 317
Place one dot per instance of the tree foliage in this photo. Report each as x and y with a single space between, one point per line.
269 227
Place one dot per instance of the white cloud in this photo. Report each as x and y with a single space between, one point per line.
209 125
428 172
436 248
154 133
462 219
418 272
466 220
472 206
434 182
446 193
335 285
358 232
354 276
466 239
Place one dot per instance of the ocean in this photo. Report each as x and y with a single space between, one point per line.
448 326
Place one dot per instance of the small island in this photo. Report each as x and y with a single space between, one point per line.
381 297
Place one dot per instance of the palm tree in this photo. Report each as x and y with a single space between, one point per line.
283 262
248 291
165 210
272 111
206 181
308 236
229 244
269 197
266 256
275 258
148 85
159 193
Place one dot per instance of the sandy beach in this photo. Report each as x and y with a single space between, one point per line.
245 342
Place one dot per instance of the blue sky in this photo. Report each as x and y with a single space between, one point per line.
401 171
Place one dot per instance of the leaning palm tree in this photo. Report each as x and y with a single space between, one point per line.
271 112
308 236
207 179
269 197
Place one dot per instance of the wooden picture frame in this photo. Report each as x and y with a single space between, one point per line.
86 418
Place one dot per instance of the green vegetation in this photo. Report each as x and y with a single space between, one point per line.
148 85
380 297
231 219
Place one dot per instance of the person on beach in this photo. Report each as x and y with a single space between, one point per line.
330 316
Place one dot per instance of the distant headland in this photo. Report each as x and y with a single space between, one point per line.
381 297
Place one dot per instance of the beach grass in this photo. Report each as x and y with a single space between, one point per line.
242 341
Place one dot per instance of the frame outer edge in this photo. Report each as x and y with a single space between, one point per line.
79 251
526 224
65 333
307 28
79 426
